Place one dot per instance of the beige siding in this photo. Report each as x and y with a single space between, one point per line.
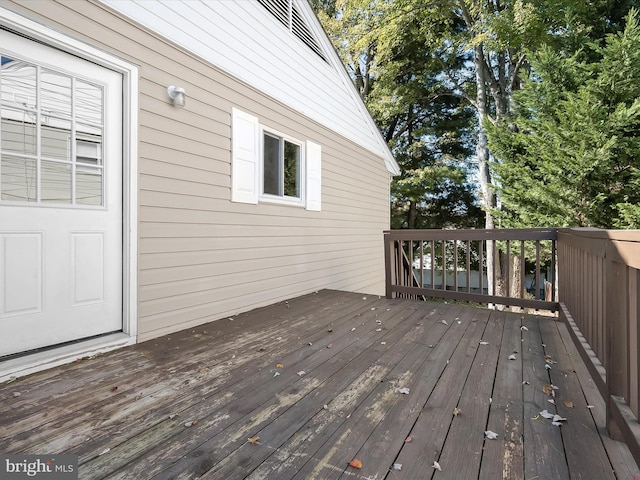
202 257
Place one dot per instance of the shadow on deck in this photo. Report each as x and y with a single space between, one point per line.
316 382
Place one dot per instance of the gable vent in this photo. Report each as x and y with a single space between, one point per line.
287 13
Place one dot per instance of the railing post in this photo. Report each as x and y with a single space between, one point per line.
388 264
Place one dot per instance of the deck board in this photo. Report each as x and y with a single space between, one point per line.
125 413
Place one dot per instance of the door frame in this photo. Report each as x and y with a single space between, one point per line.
57 356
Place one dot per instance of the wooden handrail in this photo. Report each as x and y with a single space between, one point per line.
599 274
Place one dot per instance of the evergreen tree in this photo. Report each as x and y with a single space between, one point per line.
570 155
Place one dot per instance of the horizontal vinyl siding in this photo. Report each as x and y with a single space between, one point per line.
202 257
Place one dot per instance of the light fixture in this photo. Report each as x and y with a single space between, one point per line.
177 95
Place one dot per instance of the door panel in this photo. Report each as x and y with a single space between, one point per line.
60 197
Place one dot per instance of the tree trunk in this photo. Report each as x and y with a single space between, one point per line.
482 154
413 214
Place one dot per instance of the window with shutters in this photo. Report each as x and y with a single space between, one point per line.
269 166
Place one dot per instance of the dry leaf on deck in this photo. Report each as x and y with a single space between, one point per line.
279 365
408 439
547 389
355 463
544 413
113 389
444 322
301 373
353 329
254 440
456 412
568 403
397 466
524 328
512 356
330 345
403 390
437 466
484 343
490 435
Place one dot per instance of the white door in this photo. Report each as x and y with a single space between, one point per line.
60 197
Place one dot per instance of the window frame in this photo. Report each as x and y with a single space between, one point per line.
301 174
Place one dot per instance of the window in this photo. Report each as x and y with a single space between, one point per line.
51 136
272 167
281 167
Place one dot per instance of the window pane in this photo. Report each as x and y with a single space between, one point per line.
55 183
55 91
18 83
88 103
88 185
291 170
272 173
18 179
18 131
56 138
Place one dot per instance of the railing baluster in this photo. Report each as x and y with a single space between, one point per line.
523 268
469 266
480 248
538 270
508 274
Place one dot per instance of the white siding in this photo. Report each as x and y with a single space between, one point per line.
244 39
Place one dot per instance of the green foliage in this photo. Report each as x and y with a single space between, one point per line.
569 155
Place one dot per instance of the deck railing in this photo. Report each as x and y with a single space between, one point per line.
506 267
599 284
598 290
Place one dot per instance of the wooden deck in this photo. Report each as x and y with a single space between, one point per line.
316 382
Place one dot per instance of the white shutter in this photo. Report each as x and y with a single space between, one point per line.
245 154
314 176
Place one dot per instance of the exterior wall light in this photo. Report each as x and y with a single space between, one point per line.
177 95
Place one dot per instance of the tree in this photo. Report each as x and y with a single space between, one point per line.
572 159
426 127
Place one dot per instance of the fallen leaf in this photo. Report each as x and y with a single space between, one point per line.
491 435
551 401
556 424
437 466
191 423
373 308
558 418
544 413
568 403
325 406
383 343
526 383
547 389
484 343
276 374
310 344
279 365
378 329
353 329
456 412
590 406
524 328
397 466
254 440
512 356
106 450
301 373
444 322
403 390
355 463
113 389
408 439
459 322
330 345
547 366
